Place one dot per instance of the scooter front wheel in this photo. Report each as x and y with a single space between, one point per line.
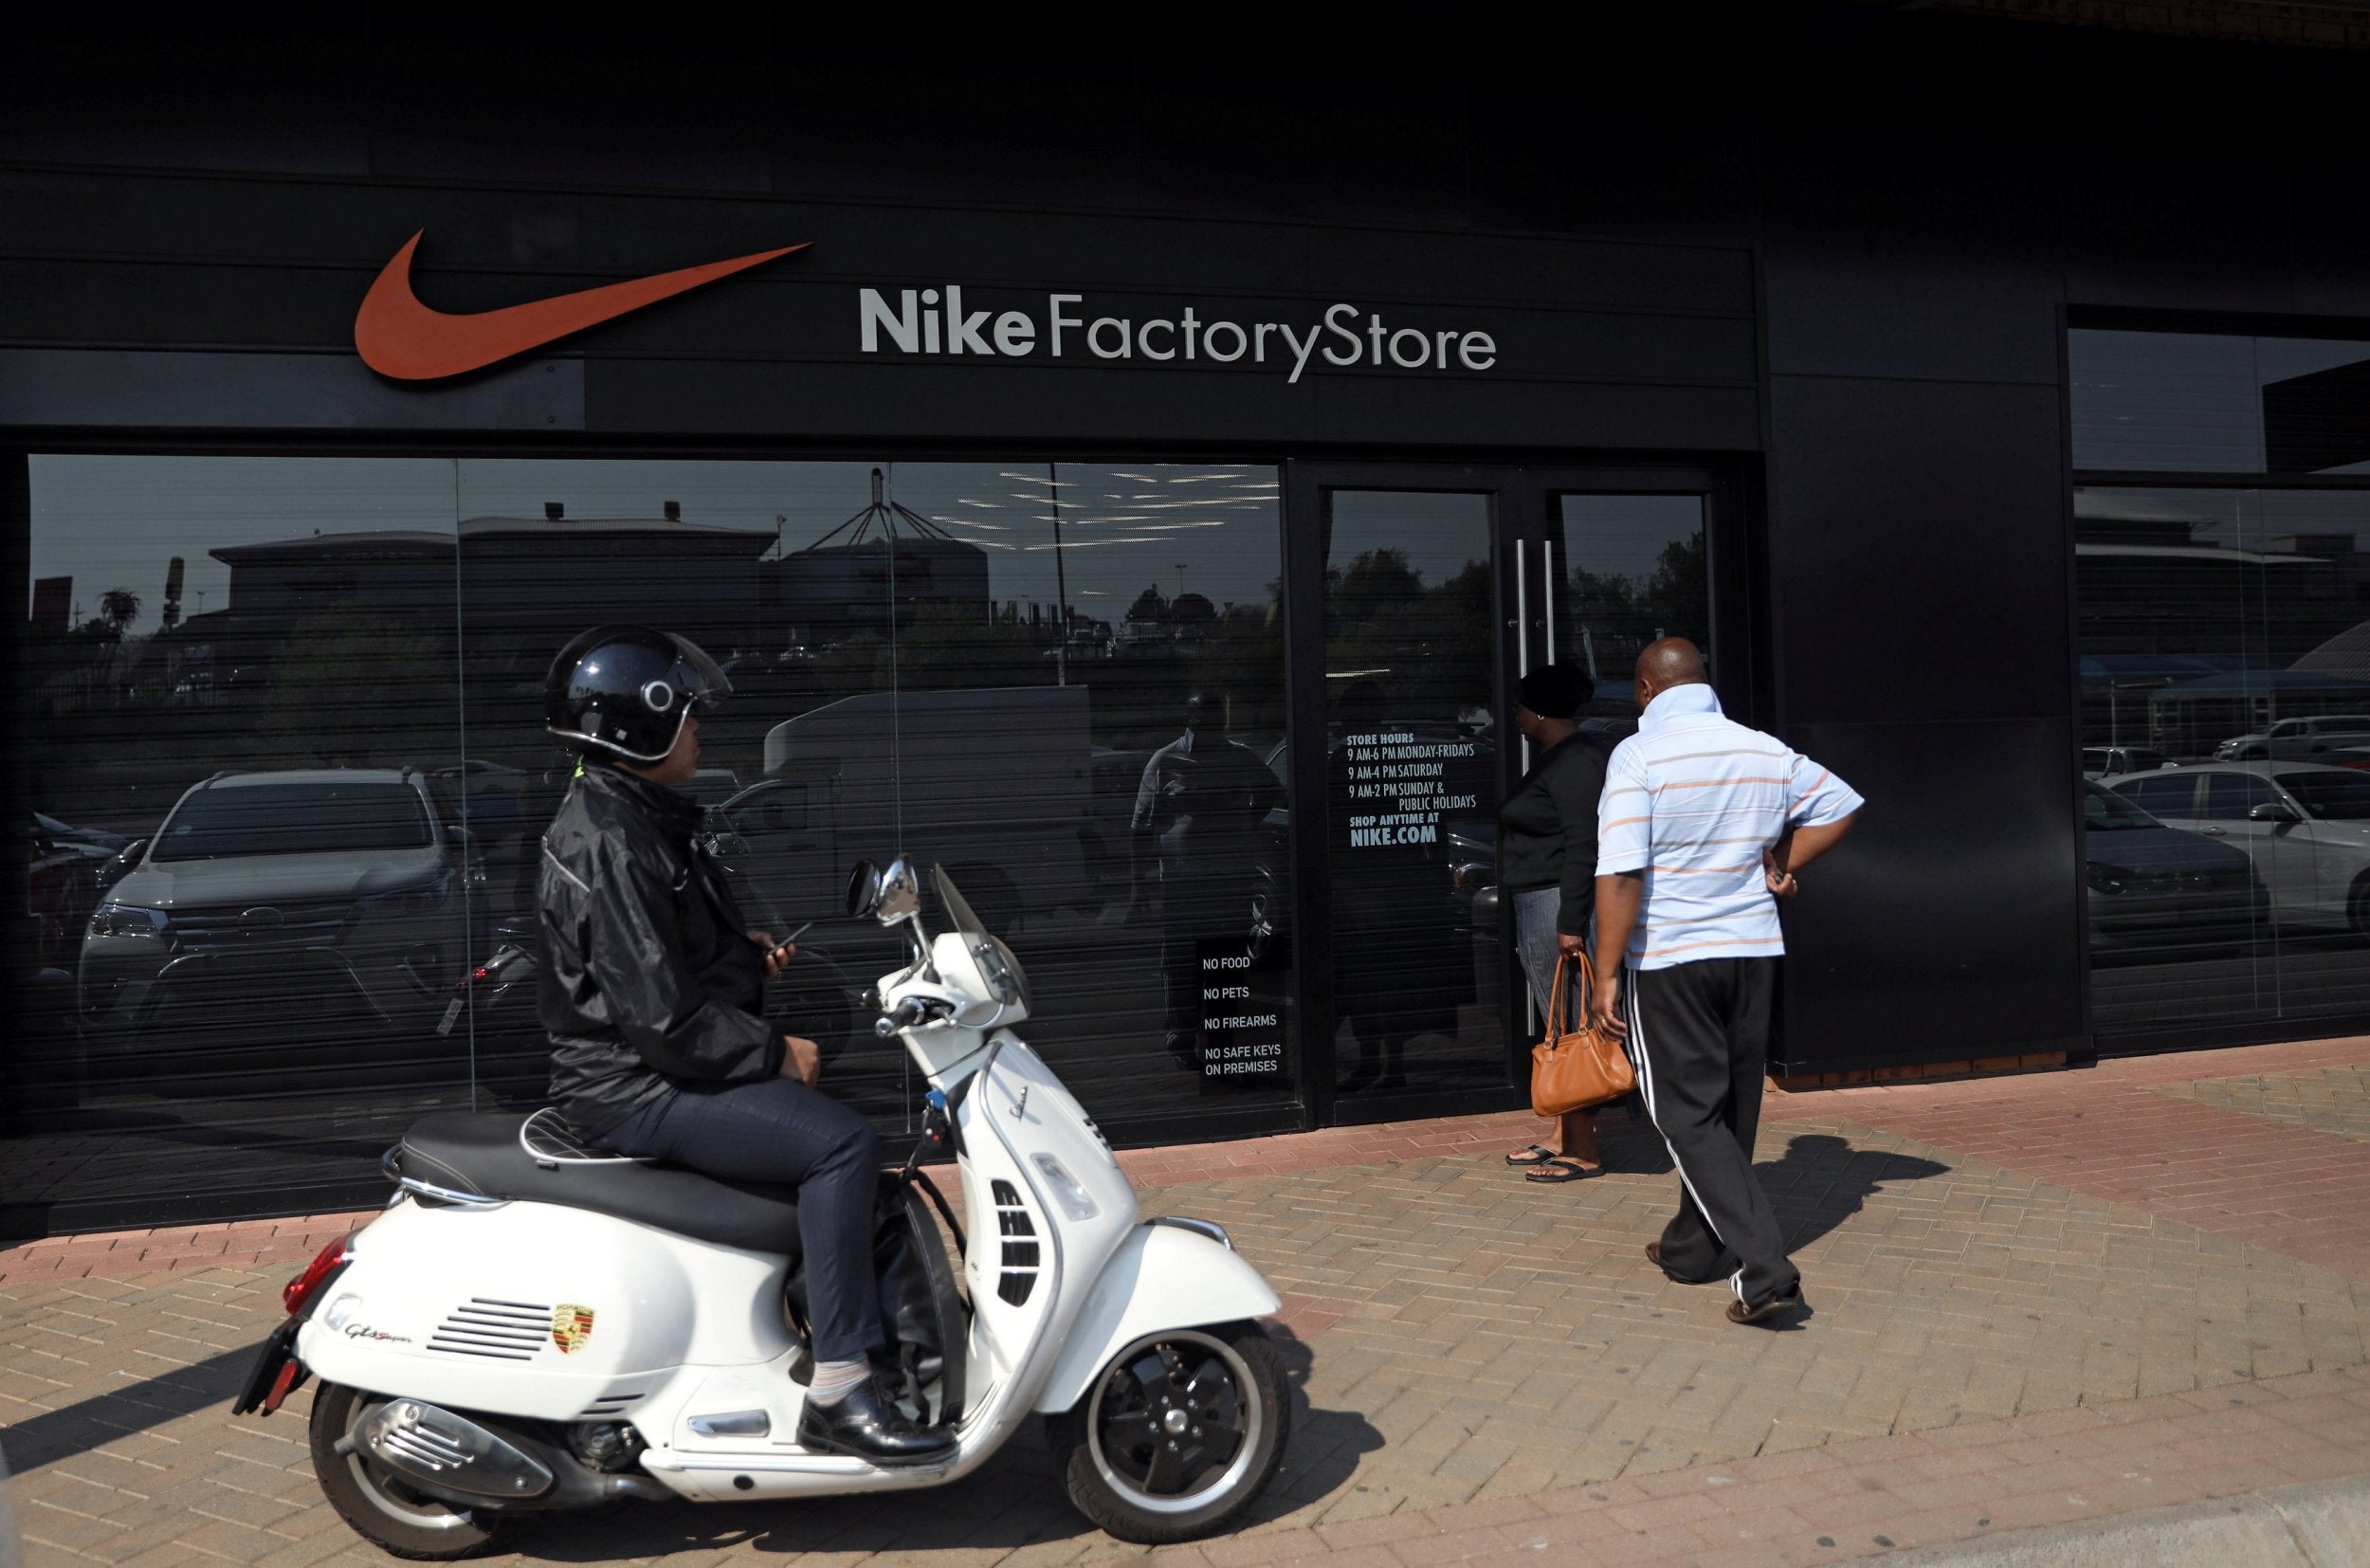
1178 1434
375 1502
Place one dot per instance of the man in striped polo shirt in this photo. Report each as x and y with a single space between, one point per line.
1701 829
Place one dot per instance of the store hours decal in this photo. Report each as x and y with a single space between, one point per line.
1396 785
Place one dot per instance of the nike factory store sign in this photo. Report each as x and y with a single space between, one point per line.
1344 336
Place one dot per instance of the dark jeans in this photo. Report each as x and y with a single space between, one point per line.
782 1130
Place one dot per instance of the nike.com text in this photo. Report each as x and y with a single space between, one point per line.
919 323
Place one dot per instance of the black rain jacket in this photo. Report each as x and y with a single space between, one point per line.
647 975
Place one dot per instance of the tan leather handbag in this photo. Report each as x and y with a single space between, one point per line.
1578 1066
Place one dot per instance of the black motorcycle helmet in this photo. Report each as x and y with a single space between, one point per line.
626 690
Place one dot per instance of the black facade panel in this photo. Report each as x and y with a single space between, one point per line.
85 390
1890 308
2193 223
995 402
478 229
1948 926
1918 552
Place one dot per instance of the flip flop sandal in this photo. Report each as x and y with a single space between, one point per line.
1538 1154
1548 1172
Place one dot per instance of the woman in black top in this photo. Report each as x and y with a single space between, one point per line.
1547 866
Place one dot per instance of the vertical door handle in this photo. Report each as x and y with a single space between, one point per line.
1548 592
1522 613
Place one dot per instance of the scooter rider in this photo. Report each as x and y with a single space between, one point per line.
651 991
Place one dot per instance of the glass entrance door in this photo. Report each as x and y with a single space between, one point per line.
1411 658
1435 591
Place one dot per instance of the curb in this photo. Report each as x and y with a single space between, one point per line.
2314 1524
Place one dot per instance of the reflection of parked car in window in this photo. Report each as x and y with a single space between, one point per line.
2162 889
93 844
2291 738
2107 761
61 889
338 883
2305 827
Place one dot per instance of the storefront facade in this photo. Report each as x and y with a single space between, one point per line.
993 488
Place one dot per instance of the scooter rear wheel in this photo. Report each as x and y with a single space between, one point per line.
374 1501
1178 1434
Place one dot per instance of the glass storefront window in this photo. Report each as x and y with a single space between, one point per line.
2205 402
2225 639
289 744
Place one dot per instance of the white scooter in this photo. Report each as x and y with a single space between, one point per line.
532 1325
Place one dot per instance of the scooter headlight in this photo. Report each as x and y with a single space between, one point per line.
1067 1189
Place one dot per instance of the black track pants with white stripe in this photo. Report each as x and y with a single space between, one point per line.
1699 1037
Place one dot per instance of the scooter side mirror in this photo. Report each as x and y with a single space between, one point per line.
899 894
863 891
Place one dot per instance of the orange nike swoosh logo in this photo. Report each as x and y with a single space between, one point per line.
401 339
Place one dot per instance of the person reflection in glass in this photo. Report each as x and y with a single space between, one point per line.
1200 825
1547 866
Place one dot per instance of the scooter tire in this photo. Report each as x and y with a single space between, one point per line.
374 1505
1122 1506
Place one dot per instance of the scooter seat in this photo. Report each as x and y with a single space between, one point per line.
480 1154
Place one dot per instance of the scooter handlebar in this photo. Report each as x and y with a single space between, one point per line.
910 1013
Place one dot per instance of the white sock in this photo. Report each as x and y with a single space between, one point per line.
835 1381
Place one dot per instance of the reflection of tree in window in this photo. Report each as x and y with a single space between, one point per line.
1610 618
1428 646
354 687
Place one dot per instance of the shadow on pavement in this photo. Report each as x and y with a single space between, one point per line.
1822 1180
86 1424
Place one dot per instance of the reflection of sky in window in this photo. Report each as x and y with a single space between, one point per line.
2185 402
115 522
1625 535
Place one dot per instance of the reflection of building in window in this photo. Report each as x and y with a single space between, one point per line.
535 580
2187 641
2149 584
891 555
344 644
2319 423
828 593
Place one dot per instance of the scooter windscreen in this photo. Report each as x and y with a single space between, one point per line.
997 966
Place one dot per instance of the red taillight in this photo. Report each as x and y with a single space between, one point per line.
482 974
299 1291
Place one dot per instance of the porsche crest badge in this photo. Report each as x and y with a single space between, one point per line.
571 1328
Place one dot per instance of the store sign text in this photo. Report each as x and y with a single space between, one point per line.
919 322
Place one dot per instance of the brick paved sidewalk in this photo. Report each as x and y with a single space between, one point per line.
2039 1300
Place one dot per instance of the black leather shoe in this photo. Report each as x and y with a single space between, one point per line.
865 1424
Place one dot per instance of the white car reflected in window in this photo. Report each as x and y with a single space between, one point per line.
2305 828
